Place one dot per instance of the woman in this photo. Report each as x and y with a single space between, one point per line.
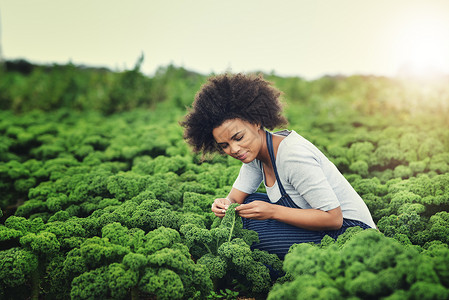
307 197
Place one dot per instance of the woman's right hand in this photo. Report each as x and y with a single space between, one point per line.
220 206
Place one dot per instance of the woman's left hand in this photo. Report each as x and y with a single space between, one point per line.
257 210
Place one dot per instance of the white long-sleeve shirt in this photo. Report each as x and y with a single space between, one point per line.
309 178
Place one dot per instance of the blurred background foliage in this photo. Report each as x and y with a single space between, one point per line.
26 87
82 147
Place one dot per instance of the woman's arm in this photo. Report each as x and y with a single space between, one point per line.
221 204
300 164
312 219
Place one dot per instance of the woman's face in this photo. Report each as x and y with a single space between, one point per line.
239 139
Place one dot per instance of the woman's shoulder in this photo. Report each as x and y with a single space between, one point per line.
292 139
294 145
284 132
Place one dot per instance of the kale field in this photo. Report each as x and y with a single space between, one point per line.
101 198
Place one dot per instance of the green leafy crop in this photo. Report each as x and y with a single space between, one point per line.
101 197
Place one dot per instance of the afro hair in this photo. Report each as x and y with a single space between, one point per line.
231 96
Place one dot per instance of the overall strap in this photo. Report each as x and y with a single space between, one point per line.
273 162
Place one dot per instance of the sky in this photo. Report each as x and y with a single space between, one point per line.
306 38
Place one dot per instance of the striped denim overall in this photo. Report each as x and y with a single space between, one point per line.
277 237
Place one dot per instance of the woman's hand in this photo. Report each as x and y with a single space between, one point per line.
220 206
312 219
257 210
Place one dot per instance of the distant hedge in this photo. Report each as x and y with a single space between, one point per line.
25 87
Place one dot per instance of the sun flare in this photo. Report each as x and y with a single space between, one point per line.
422 43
